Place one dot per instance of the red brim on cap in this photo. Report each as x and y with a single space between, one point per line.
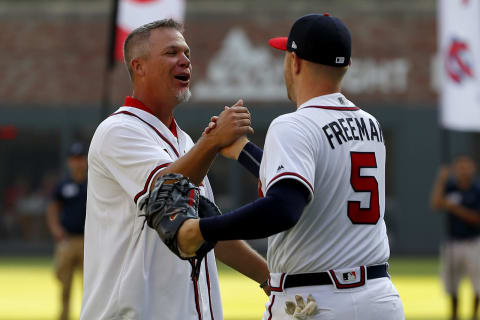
279 43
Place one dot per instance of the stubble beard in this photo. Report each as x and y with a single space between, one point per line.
184 95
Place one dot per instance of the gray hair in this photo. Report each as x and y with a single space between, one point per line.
136 44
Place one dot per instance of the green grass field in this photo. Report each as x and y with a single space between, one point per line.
28 291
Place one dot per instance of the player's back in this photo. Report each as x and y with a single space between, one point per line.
344 154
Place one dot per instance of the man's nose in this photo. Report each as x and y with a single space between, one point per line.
184 61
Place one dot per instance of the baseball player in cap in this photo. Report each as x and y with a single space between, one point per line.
129 272
322 174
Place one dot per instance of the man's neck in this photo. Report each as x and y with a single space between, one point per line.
79 177
303 97
311 88
162 110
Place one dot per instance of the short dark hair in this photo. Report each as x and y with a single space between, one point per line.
140 35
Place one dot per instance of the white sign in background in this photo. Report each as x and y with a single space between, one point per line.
459 39
134 13
241 70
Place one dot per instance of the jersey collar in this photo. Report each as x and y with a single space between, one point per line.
333 101
135 103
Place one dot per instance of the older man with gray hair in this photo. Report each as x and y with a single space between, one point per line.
129 272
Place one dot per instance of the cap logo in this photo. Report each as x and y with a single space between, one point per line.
294 45
339 59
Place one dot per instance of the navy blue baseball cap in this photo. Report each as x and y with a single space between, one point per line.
77 149
319 38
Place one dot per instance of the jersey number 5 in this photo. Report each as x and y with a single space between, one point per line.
360 183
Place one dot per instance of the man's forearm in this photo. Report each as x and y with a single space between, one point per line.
53 221
196 162
279 210
466 214
437 199
238 255
231 124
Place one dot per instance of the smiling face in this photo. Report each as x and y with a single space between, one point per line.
164 70
168 67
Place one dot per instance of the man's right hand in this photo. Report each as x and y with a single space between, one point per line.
230 125
232 151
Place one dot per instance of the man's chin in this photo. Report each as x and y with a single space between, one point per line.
184 95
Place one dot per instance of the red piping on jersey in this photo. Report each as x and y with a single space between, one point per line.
208 286
280 287
290 174
197 300
270 308
334 108
147 183
135 103
155 129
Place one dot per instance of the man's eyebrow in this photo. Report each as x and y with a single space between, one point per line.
176 47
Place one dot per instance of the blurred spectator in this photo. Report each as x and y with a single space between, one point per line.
66 220
457 192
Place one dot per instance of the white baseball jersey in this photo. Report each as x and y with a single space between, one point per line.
337 151
129 273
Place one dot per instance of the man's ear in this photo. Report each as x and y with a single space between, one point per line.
296 63
138 67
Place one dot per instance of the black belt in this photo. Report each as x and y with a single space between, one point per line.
321 278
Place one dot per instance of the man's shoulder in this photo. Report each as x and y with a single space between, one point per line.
116 124
287 118
112 133
365 114
116 119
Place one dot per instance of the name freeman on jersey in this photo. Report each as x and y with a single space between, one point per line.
348 129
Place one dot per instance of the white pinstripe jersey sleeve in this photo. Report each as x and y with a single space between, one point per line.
131 156
287 155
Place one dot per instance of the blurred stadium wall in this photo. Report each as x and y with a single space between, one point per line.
52 62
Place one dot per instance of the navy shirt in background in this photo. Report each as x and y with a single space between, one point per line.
459 229
72 197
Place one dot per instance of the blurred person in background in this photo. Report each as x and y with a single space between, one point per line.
66 220
456 192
